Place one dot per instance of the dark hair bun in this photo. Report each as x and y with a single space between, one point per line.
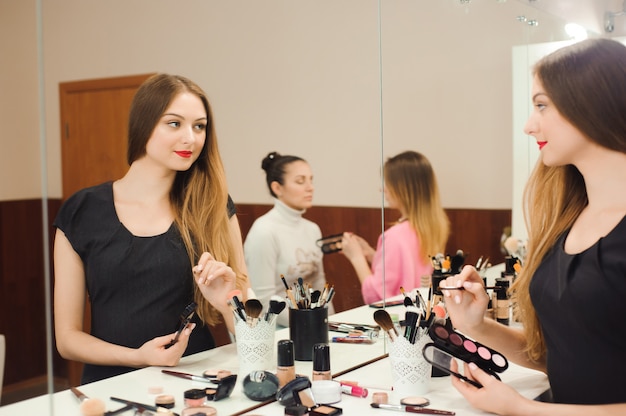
269 161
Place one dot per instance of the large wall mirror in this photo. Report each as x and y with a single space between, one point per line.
343 84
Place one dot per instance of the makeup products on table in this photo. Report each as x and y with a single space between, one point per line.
285 370
188 376
199 411
300 295
502 301
305 398
321 362
260 385
95 407
307 327
353 329
215 374
383 319
356 391
449 345
140 407
412 409
185 318
365 385
194 397
251 311
355 339
384 304
165 400
223 387
326 391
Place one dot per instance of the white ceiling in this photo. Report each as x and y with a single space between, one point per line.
588 13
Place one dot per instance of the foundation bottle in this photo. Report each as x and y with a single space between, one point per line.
285 371
321 362
503 301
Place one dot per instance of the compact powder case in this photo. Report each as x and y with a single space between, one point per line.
285 395
223 390
305 398
260 385
448 345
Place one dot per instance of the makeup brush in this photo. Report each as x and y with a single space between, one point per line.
315 297
234 295
276 307
253 308
383 319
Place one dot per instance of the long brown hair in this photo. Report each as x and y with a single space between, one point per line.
586 82
410 179
199 196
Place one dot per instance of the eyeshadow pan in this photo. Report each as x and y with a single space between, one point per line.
456 339
498 360
441 332
470 346
484 353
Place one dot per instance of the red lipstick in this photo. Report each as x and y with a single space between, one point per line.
184 153
541 144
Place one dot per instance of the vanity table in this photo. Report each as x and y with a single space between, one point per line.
365 363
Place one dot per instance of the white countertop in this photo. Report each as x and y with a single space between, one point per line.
345 358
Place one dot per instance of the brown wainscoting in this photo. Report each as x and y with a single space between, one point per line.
476 231
22 299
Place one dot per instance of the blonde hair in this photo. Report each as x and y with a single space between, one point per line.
411 181
199 196
586 82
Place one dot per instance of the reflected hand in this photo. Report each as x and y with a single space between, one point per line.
215 279
351 246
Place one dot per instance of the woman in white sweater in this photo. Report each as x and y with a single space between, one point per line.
282 242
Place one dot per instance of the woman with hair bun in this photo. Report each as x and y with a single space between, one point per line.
282 241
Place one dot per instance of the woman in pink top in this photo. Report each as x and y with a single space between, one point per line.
420 232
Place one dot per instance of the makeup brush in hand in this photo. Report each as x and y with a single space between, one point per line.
253 308
383 319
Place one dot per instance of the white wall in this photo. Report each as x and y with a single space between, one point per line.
20 173
296 77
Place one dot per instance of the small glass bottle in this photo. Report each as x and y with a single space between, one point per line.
321 362
285 371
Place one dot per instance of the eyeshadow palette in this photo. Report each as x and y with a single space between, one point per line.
449 344
330 244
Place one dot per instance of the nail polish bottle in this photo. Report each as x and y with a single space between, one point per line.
321 362
285 370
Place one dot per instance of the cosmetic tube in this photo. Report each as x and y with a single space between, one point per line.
285 371
503 302
321 362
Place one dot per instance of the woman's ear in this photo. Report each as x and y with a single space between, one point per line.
276 188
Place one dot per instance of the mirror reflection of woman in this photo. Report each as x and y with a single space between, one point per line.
146 245
570 293
410 187
282 241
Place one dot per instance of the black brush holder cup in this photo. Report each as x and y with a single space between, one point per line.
307 327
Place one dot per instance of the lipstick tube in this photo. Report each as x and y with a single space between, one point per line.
354 390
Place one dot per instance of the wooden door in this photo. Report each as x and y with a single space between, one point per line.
94 127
